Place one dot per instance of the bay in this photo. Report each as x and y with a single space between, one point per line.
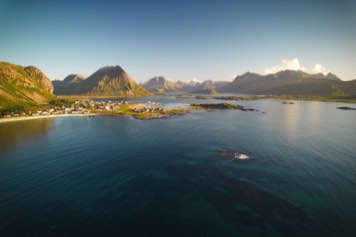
118 176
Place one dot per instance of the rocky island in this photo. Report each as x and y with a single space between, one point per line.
346 108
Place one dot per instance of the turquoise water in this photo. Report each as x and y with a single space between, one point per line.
117 176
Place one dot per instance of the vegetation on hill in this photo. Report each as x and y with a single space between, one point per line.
23 86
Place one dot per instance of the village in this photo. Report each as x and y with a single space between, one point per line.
139 110
142 110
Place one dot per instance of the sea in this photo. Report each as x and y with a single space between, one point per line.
119 176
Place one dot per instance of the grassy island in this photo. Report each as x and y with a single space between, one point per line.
221 106
139 111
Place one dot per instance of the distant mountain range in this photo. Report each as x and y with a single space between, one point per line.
23 85
115 81
291 83
160 85
282 83
107 81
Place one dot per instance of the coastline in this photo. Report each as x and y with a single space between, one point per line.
14 119
272 97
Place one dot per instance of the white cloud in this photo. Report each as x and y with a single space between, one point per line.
320 69
196 80
286 64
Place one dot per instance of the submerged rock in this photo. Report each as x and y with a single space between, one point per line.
233 154
241 156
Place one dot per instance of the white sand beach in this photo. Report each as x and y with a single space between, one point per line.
14 119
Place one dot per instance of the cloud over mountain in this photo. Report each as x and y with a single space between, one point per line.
286 64
320 69
294 65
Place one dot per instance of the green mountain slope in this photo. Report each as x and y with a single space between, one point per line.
23 85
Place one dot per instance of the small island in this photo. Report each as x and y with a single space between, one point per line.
221 106
346 108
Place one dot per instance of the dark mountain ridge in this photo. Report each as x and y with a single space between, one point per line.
291 83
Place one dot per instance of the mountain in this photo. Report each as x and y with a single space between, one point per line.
160 85
348 87
290 83
107 81
23 85
220 84
67 82
209 85
73 78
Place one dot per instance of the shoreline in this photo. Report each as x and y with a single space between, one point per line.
14 119
272 97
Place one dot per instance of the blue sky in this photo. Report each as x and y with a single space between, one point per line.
180 40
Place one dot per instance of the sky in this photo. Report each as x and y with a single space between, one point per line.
180 40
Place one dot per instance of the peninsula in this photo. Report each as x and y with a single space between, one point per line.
139 110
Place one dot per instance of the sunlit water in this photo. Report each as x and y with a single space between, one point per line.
110 176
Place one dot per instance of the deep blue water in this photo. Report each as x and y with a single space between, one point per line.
117 176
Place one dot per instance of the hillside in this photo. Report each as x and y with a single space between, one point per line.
107 81
23 85
291 83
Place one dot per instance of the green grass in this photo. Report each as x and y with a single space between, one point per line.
127 110
216 106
